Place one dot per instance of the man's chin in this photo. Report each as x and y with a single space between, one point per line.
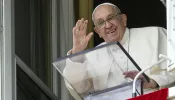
113 40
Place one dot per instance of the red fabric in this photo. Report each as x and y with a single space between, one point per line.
158 95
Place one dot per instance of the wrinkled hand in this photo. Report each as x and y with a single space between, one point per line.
146 84
80 39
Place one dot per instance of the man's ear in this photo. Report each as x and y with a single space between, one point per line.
124 19
97 31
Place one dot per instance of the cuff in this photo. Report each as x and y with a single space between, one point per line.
78 58
69 52
160 80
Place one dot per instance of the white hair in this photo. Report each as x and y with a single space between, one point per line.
108 4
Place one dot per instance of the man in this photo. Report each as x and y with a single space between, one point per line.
143 44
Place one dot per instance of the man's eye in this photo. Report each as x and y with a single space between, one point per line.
111 17
101 23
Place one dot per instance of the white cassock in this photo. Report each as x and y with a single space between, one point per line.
104 68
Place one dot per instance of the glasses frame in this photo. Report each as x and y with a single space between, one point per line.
108 20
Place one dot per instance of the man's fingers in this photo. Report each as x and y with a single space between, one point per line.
85 26
130 74
127 73
88 37
75 31
82 24
132 77
78 25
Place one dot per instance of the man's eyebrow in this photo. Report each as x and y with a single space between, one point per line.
103 19
111 15
98 20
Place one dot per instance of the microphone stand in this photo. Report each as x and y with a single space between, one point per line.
165 58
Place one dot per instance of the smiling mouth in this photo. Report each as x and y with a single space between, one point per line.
112 31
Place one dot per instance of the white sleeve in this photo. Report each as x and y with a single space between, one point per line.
76 74
162 44
164 78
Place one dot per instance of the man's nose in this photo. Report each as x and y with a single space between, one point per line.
108 24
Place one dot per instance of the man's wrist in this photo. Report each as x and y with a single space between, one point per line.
78 58
153 84
74 50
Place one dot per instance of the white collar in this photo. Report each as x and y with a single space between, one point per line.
125 37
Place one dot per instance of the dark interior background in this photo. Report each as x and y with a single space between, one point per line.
140 13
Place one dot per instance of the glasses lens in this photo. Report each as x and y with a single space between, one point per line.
110 19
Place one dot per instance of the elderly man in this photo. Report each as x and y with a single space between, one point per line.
143 44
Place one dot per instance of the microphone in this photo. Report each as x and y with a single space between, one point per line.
164 58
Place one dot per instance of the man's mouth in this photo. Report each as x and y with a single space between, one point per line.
111 31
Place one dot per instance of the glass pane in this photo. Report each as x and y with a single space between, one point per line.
32 41
96 69
27 89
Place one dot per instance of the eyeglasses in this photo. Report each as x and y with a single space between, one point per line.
110 19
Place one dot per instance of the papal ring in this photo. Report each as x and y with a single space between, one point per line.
77 31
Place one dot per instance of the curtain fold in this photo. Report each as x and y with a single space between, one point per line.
65 25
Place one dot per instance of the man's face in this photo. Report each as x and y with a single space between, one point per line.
109 24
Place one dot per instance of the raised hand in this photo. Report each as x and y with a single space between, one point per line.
80 36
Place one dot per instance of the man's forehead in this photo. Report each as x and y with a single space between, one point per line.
103 11
105 4
104 7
